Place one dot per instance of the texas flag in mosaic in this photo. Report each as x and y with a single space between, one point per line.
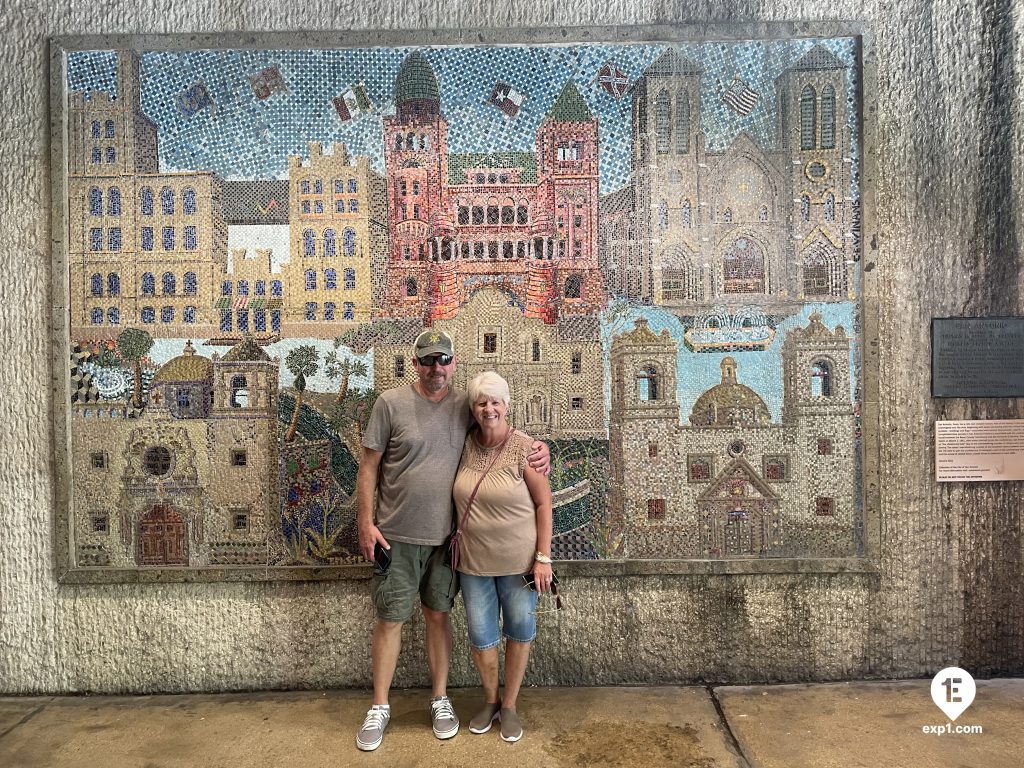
352 102
506 98
613 80
193 99
267 82
740 97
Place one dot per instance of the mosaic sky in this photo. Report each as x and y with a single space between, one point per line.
242 137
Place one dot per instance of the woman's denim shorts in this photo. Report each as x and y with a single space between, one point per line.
488 596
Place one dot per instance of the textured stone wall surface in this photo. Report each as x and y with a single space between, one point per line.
945 166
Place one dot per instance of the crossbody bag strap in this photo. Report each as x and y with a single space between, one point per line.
472 496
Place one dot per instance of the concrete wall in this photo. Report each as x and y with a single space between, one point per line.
949 583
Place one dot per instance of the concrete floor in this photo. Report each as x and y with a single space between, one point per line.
821 726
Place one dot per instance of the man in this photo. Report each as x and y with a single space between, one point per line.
411 451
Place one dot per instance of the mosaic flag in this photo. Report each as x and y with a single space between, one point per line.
352 102
266 209
193 99
507 99
740 97
267 82
613 80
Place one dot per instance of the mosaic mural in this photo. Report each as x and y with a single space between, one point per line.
657 245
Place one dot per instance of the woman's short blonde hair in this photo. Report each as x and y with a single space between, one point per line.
489 384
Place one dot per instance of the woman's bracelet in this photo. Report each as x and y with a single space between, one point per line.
540 557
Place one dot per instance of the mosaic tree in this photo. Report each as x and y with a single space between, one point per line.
133 344
302 361
344 368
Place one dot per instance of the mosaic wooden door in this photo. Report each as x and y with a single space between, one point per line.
162 537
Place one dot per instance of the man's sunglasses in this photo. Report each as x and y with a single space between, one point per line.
429 360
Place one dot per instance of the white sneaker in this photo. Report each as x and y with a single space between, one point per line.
372 733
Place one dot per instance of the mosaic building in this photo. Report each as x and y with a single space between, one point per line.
729 482
553 370
190 479
144 248
765 223
338 241
525 222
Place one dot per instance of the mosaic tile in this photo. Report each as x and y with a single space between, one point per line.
658 246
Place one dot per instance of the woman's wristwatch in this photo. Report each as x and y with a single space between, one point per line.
540 557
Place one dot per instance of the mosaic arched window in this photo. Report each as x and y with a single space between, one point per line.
167 314
189 283
276 288
225 320
97 155
330 279
349 311
399 142
148 284
111 155
828 117
663 122
97 284
114 316
95 201
189 315
226 288
114 201
168 238
686 213
805 208
189 237
328 310
682 122
146 201
762 215
96 316
310 310
330 243
188 201
353 186
259 320
647 384
243 287
821 379
95 129
662 214
573 287
350 279
275 320
808 118
169 284
113 284
114 239
522 214
310 279
109 129
167 201
148 315
96 239
308 242
830 207
350 242
743 267
411 289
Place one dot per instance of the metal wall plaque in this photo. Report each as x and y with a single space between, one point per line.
985 450
978 357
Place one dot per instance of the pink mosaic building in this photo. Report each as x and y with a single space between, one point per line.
522 222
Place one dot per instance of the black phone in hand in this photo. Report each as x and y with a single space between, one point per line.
381 558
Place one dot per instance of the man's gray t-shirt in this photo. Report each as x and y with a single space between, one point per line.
422 444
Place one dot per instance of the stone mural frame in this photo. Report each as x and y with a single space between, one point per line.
633 342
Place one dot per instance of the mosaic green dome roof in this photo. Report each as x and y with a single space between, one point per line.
416 80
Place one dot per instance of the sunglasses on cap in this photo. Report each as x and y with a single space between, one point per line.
429 360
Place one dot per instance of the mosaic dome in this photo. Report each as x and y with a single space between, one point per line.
729 403
416 80
187 366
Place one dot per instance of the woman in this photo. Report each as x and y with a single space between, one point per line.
505 538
